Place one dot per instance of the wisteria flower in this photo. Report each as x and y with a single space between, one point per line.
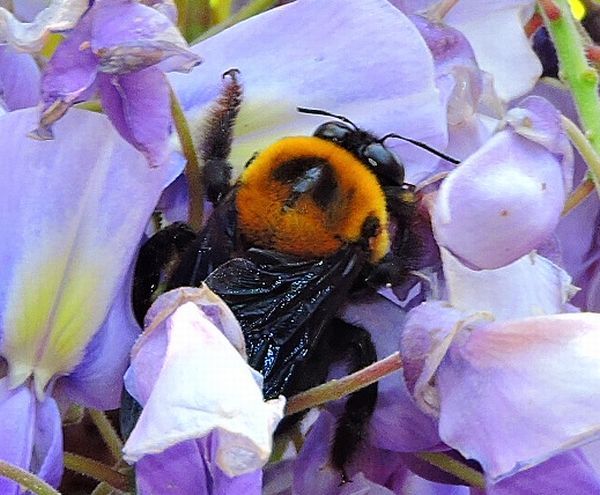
121 49
73 212
204 413
483 361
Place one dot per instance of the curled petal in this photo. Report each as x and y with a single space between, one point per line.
59 15
427 336
513 394
128 36
228 402
502 202
364 70
530 286
68 77
138 106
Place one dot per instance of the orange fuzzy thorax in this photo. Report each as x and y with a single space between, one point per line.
306 229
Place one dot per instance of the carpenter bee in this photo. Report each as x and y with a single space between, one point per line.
304 227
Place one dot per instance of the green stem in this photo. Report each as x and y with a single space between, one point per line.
96 470
103 489
575 71
193 171
446 463
26 479
336 389
107 432
589 154
251 9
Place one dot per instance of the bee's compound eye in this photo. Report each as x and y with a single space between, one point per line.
383 162
333 131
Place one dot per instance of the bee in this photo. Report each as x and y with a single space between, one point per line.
304 228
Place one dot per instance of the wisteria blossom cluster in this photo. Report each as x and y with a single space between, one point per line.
495 334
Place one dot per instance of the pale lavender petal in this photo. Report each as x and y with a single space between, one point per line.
17 410
530 286
494 388
566 473
128 36
373 68
138 106
59 15
98 379
501 203
19 79
181 407
414 484
68 77
74 209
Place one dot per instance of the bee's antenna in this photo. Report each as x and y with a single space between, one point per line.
424 146
316 111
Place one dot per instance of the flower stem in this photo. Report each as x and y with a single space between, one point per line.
575 71
103 489
583 190
336 389
96 470
26 479
446 463
107 432
585 149
193 171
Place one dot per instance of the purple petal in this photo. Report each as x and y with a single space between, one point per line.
501 203
47 461
74 210
138 106
374 68
17 410
128 37
517 393
185 469
19 79
566 473
428 333
69 76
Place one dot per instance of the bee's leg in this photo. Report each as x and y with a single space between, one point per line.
157 258
355 345
217 135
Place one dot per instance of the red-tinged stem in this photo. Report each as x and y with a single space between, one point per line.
551 10
336 389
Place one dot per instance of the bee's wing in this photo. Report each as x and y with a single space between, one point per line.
283 303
